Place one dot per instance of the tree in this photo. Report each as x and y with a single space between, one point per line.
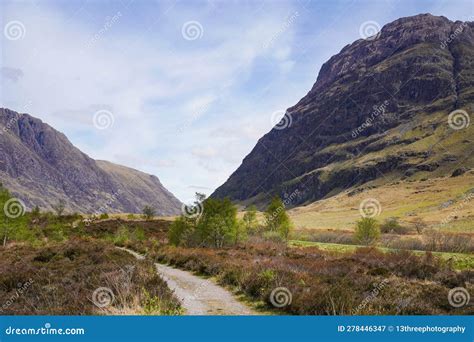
218 223
148 212
180 230
250 219
419 224
367 231
36 212
277 220
59 207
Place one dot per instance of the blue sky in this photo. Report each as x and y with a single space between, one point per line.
179 89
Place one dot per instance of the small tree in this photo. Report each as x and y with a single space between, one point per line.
367 231
419 224
218 223
249 220
35 213
277 220
59 207
180 230
148 212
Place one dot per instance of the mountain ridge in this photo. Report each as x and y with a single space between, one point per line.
418 69
39 165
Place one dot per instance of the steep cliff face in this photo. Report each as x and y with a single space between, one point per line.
40 166
378 112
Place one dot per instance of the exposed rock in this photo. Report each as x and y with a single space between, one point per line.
459 172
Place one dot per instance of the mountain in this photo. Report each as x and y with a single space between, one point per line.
40 166
380 111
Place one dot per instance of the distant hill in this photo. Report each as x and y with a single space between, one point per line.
379 112
40 166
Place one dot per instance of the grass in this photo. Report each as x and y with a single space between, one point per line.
432 200
460 261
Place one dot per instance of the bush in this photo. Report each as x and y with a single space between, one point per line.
419 225
148 212
277 220
250 220
181 230
59 207
103 216
391 225
367 231
272 236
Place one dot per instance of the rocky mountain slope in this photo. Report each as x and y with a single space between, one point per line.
40 166
381 110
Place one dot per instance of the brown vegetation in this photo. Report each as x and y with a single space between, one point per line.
325 284
60 279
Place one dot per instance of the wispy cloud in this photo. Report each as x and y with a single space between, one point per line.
187 110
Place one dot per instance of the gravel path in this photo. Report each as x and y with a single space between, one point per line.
198 296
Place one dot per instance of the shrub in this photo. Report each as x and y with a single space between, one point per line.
103 216
121 236
250 220
367 231
391 225
277 220
59 207
180 230
148 212
272 236
419 225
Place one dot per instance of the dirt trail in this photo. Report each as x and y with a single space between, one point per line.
198 296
